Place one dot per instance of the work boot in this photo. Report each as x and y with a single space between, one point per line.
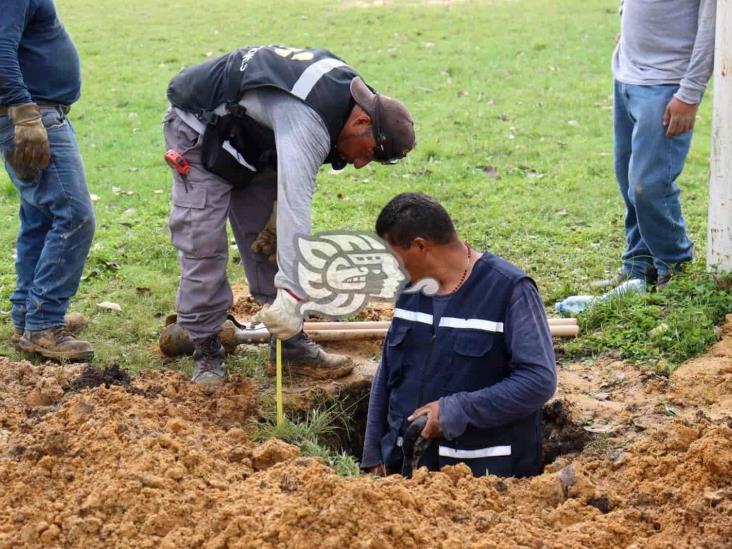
301 355
210 372
73 322
15 337
56 343
613 282
663 278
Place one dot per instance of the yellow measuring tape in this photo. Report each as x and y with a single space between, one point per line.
279 381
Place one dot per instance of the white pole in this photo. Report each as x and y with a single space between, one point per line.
719 231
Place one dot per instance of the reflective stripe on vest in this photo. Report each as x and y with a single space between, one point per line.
199 127
191 119
492 451
312 74
471 324
450 322
414 316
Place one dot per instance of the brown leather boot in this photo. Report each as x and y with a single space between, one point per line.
56 343
302 356
73 322
15 338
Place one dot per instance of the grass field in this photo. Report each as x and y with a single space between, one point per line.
522 86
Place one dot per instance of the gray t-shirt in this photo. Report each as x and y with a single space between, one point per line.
303 143
666 42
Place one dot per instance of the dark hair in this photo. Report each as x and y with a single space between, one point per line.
411 215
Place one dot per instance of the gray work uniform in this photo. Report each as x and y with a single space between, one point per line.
202 202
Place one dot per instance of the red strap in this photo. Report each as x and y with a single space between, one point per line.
293 294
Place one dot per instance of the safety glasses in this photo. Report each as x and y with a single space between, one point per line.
381 154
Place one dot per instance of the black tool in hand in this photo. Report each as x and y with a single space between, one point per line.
414 445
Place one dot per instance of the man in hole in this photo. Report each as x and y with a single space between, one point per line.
476 357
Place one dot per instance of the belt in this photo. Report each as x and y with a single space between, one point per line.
63 108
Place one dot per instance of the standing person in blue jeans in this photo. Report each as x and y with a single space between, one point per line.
661 66
39 79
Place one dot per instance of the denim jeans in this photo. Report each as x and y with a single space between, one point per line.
56 227
647 164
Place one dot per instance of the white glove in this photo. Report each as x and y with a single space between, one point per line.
282 318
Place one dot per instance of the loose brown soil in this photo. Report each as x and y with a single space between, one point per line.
154 462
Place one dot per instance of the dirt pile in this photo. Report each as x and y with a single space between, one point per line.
127 461
155 462
92 458
707 380
671 489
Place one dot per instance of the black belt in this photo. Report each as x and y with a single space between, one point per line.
63 108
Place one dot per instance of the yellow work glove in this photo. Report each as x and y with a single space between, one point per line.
31 150
282 318
266 241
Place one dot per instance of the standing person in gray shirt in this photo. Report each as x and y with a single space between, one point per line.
250 131
661 66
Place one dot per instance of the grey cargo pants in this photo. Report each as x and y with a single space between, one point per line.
202 202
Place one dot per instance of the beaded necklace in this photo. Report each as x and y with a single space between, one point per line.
465 272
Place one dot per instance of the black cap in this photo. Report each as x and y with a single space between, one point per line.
391 122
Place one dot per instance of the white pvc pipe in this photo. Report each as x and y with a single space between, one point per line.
719 226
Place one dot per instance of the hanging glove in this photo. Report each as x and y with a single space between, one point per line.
31 150
266 241
282 318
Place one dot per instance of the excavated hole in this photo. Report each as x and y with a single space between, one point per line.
562 435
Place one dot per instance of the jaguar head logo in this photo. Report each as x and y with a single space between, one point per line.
341 272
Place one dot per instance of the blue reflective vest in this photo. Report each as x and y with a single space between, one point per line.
465 352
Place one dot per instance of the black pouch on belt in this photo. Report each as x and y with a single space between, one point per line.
236 147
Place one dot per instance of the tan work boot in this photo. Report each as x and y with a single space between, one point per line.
73 322
56 343
302 356
15 338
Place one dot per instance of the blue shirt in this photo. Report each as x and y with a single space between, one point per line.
38 61
533 379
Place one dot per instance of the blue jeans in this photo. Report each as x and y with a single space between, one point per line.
647 164
56 227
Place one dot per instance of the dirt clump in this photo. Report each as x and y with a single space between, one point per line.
376 311
245 307
272 452
92 376
562 435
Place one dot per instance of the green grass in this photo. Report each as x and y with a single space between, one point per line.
523 86
662 328
310 435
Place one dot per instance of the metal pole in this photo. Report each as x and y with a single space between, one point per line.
278 365
719 226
